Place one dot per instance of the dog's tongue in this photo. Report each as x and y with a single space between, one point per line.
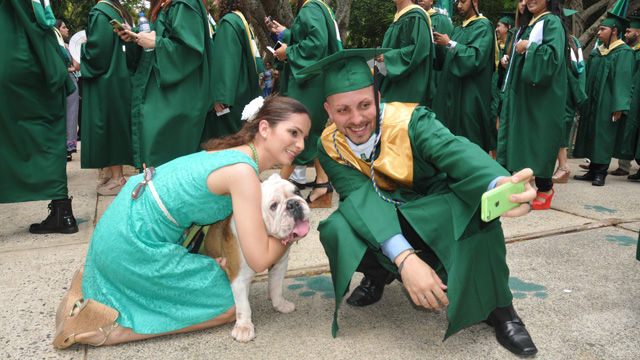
299 231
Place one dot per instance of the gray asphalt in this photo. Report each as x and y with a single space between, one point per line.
574 278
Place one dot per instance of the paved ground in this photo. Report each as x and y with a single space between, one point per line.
573 268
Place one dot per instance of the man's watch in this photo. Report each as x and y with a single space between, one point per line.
450 45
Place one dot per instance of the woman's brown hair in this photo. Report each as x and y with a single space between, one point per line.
157 5
274 110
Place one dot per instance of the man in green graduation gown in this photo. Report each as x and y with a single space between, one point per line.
35 85
409 64
609 78
631 133
441 23
463 100
503 28
423 194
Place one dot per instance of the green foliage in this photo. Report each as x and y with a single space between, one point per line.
368 21
74 13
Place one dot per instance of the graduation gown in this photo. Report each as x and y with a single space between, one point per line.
609 78
409 64
235 75
533 108
312 37
171 86
106 98
442 25
576 78
35 85
463 100
441 179
630 140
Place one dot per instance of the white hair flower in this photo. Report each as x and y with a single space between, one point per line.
251 110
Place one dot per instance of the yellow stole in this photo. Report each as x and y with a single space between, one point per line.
605 51
495 40
533 21
394 166
407 9
250 38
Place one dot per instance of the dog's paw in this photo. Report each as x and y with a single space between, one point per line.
283 306
243 332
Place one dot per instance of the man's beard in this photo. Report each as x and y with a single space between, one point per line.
631 39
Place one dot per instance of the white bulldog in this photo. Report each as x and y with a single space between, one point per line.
286 217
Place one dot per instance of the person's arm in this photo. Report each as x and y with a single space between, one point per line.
415 48
227 62
622 80
241 183
468 58
97 51
543 59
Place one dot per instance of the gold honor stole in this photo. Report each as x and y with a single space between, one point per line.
411 7
605 51
394 166
495 39
254 49
335 23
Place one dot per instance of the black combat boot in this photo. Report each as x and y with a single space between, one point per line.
60 219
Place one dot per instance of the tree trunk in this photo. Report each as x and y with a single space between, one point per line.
279 10
342 18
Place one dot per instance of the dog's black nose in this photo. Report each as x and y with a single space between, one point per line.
292 205
294 209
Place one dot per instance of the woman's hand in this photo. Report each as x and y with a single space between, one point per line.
525 197
218 107
146 40
422 283
504 61
616 115
281 53
123 33
521 46
380 58
274 26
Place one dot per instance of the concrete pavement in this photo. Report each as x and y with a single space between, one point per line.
573 274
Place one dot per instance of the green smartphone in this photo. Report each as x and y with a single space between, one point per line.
116 25
496 202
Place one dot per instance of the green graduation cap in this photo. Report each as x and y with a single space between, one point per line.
345 71
508 18
615 21
634 22
569 12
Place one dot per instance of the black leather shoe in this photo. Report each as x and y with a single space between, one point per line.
513 335
368 292
589 176
598 180
60 219
634 177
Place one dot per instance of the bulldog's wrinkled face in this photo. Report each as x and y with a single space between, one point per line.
285 212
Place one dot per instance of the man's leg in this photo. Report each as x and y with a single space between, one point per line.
372 285
623 168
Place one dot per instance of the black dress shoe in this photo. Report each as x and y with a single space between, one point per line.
513 335
634 177
368 292
598 180
589 176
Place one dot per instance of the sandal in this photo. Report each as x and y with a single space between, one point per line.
323 201
112 187
84 320
539 205
73 295
561 179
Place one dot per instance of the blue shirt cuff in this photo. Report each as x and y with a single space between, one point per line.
494 182
281 35
394 246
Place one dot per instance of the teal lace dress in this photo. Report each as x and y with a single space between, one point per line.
136 264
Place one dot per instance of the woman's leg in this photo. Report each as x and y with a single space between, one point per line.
321 178
124 334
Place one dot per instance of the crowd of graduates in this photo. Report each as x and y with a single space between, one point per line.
149 98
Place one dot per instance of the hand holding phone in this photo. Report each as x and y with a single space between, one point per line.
496 202
117 25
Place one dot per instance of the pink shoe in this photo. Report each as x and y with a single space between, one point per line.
112 187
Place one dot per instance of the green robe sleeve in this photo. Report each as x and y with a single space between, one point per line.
476 52
413 48
228 63
371 217
441 25
542 60
305 53
182 51
622 80
97 51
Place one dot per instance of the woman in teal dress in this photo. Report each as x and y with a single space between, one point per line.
138 280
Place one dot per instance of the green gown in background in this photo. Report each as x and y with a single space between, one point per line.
106 96
442 25
442 199
235 75
496 99
312 37
631 131
533 109
463 100
576 78
409 64
35 85
171 87
609 78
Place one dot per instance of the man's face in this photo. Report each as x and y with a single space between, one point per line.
426 4
465 8
631 36
604 32
501 31
354 113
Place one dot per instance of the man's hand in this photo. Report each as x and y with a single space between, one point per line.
218 107
504 61
380 58
422 283
524 198
616 115
274 26
441 39
281 53
521 46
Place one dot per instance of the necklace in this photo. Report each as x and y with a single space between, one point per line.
255 154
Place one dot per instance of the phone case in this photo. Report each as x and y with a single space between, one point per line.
496 202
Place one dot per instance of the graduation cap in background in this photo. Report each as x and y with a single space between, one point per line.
634 22
508 18
569 12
